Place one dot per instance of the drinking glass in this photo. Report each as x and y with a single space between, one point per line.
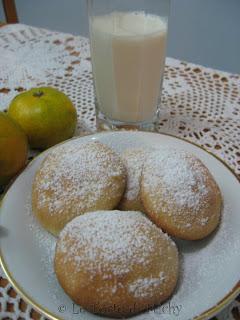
128 47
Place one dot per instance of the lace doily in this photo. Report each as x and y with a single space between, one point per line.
199 104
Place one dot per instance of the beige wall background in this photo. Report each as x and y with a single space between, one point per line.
206 32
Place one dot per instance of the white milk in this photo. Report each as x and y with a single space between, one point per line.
128 54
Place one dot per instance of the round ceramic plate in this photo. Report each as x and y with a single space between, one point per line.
210 273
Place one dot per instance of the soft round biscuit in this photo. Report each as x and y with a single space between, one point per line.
76 178
133 160
116 263
180 195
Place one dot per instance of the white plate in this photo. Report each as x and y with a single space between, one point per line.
210 268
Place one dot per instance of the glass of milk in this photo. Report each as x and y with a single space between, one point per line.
128 47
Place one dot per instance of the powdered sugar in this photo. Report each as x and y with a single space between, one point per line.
145 287
77 171
210 266
181 176
204 221
117 240
45 243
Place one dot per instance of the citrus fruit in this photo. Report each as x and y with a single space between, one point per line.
46 115
13 148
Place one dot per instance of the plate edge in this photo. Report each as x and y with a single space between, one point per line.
203 316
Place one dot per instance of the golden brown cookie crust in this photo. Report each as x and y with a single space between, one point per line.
133 160
76 178
116 263
180 195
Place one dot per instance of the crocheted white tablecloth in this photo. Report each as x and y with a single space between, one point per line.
199 104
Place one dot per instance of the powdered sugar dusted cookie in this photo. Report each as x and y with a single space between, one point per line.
116 263
76 178
133 160
180 195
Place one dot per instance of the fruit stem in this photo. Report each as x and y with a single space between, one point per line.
38 94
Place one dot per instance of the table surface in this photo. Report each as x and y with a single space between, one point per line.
199 104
